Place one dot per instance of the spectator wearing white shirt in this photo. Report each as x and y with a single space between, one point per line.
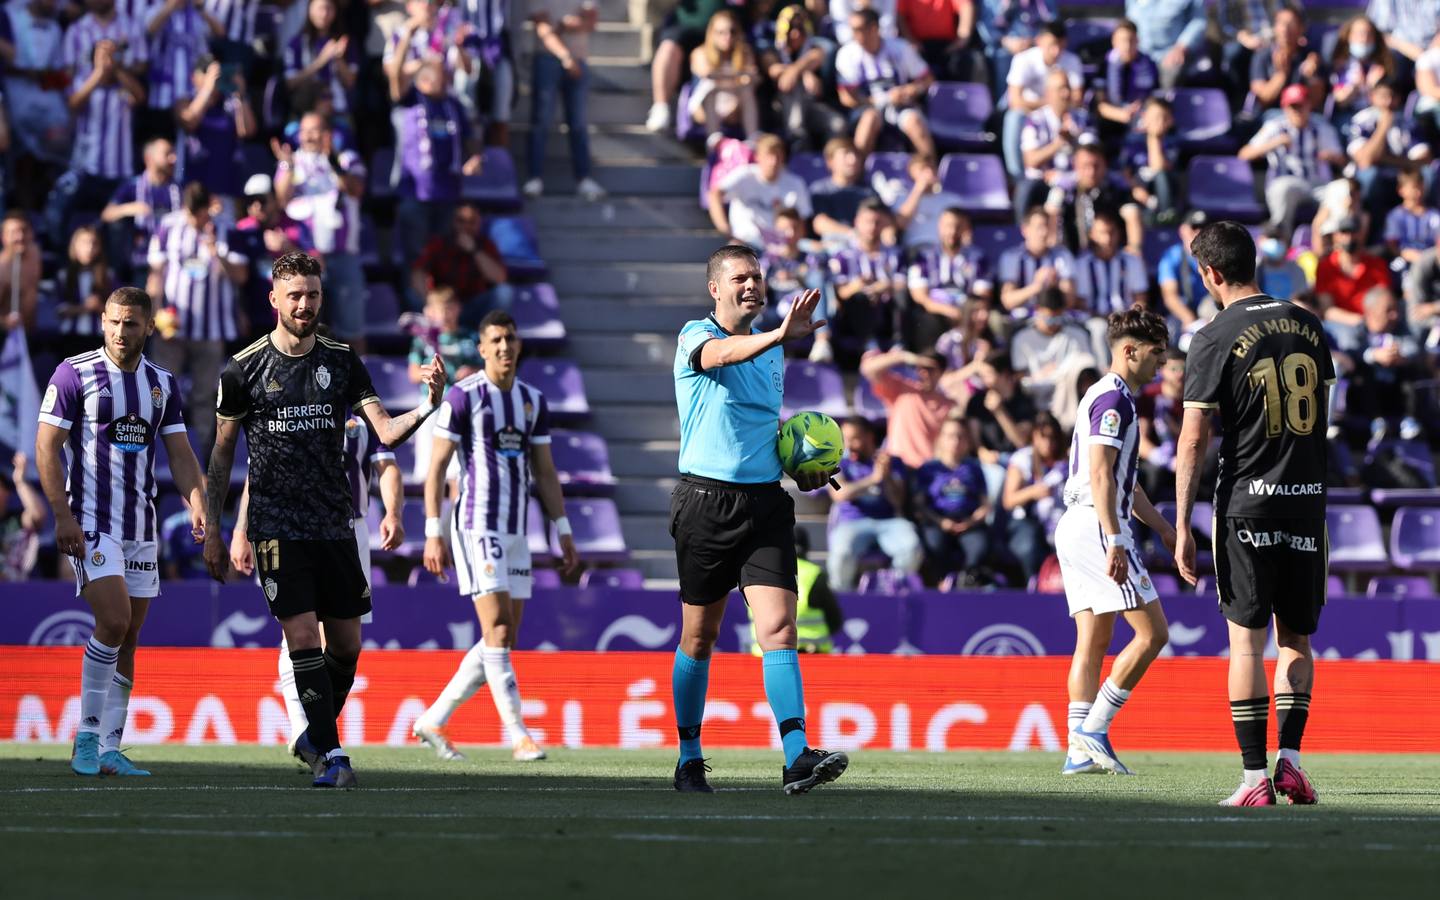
882 81
1025 86
1300 150
744 203
1050 348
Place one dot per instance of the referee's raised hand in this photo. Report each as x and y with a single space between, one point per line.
797 322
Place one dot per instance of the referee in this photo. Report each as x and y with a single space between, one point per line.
731 520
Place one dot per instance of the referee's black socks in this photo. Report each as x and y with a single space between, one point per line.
342 678
312 684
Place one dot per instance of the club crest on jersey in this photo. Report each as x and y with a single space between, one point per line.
489 570
97 558
322 377
1110 423
157 397
271 589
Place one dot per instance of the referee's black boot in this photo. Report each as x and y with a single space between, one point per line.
813 767
690 777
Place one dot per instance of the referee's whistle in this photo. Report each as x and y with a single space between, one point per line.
833 483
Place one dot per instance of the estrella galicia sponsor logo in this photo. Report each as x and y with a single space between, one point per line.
1302 542
130 433
1259 487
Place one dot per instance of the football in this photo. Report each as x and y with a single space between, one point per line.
810 442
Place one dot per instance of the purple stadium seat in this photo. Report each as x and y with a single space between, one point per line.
1390 498
958 111
1335 586
1400 586
537 316
889 582
1202 119
1356 541
620 579
546 579
1340 496
1224 186
537 531
995 240
497 186
405 459
382 309
1415 539
888 175
865 403
561 383
1414 453
583 461
514 237
1165 584
597 528
978 179
378 578
704 185
686 129
382 174
1201 516
391 375
809 166
814 386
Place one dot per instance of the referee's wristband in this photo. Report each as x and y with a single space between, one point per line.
1117 540
434 528
562 526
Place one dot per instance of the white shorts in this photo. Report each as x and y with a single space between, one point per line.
362 543
137 561
1080 546
489 562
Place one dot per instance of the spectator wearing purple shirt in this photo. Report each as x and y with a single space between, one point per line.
1033 494
322 188
789 270
30 44
213 122
868 509
1412 227
952 504
139 203
941 278
869 281
434 148
431 33
1130 77
264 235
1150 157
179 32
321 54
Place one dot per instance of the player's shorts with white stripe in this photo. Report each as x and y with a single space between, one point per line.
135 561
1084 565
491 562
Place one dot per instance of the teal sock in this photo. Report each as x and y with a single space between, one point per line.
688 681
787 700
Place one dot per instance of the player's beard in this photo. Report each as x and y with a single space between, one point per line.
298 328
125 357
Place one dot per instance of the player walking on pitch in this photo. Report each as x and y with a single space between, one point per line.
104 410
501 428
732 521
1264 365
1103 574
293 391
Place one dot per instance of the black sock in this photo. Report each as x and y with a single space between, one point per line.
1292 711
312 683
342 678
1252 719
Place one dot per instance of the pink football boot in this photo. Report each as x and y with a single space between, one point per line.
1261 794
1292 782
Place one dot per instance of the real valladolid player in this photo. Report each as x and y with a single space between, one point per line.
292 391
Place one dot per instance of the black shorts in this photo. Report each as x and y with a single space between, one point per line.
1267 567
323 577
731 534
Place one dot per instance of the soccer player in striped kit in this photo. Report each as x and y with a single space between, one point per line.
1103 574
105 410
501 427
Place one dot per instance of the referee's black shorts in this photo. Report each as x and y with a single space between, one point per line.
1269 566
320 577
730 534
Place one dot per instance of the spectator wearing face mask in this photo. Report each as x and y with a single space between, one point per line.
1277 274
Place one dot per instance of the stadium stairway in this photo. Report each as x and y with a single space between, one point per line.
629 272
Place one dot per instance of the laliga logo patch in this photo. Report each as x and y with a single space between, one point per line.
1110 423
157 397
52 396
271 589
322 377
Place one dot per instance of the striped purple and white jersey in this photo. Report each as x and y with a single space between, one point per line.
195 283
237 17
103 126
115 418
301 52
874 74
1110 285
363 452
1106 417
162 198
321 201
436 42
495 430
182 39
86 324
852 262
958 274
486 18
431 135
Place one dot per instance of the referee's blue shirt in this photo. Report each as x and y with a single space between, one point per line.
729 415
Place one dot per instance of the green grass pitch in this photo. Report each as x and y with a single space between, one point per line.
242 822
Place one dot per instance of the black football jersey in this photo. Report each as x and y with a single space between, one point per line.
294 409
1264 364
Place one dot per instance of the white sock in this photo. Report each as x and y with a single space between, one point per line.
1075 717
117 708
501 676
293 708
1254 777
96 674
1292 755
469 677
1107 704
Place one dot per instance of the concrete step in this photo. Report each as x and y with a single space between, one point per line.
618 244
635 422
610 145
644 459
652 532
601 108
661 572
628 179
636 280
623 212
628 386
586 316
619 74
645 495
610 38
613 10
644 354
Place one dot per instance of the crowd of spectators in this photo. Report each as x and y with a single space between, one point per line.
980 350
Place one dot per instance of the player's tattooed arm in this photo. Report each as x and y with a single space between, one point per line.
397 430
222 461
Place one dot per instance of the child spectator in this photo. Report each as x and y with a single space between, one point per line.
1412 227
1381 145
743 204
837 199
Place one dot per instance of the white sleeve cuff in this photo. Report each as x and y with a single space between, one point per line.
448 435
540 440
173 429
56 421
